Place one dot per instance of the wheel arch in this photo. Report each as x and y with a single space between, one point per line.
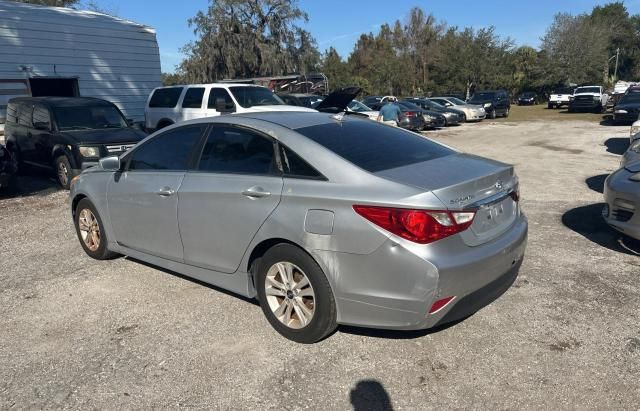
61 149
75 201
164 122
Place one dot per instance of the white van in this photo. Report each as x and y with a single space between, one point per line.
173 104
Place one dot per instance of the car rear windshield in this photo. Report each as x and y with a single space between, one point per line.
165 97
255 96
587 90
374 147
630 98
482 96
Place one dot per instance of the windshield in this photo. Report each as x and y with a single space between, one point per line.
630 98
358 107
528 94
456 101
89 117
255 96
483 96
587 90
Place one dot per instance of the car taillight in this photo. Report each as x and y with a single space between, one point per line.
419 226
410 114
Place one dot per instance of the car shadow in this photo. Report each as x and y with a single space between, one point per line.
607 120
596 183
617 145
588 222
195 281
32 184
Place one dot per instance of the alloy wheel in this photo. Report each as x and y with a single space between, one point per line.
63 173
290 295
89 229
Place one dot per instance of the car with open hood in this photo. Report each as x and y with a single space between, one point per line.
325 218
66 134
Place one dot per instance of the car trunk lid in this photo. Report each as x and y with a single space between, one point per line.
464 181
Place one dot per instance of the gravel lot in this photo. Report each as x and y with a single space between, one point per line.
77 333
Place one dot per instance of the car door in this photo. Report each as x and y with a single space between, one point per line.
41 135
219 94
143 200
24 132
223 203
192 103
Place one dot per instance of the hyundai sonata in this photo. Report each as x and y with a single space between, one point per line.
327 219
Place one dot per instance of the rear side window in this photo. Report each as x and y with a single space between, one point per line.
217 93
168 151
24 114
237 151
41 115
294 166
193 97
165 97
372 146
12 113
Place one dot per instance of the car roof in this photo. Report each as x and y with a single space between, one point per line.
60 101
288 119
214 85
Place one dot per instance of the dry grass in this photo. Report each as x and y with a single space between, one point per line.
541 112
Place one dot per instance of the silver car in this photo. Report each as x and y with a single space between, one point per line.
326 218
622 197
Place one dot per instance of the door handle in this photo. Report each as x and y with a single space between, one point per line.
166 192
256 192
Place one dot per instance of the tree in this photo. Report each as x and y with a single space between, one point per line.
238 38
55 3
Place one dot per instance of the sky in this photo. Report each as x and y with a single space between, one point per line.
338 24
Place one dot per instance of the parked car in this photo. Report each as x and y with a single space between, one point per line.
632 154
371 100
359 107
452 116
66 134
627 110
634 131
300 99
8 170
471 112
170 105
622 200
495 102
588 98
327 219
560 97
412 117
528 98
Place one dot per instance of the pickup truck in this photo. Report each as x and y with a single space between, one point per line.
560 97
588 98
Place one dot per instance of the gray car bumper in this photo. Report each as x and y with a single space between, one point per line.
394 287
622 209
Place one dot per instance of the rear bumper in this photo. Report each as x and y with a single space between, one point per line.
412 123
395 286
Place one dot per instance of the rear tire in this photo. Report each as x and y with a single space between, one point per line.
506 112
550 106
303 288
90 231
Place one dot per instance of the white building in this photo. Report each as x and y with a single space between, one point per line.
58 51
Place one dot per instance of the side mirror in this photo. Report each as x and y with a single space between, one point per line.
110 163
130 122
41 125
223 107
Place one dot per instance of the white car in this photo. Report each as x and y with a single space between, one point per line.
634 132
588 98
359 107
472 112
560 97
173 104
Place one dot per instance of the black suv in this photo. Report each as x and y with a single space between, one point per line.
66 134
495 102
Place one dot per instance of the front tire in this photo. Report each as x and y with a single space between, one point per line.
506 113
90 231
295 295
492 113
64 172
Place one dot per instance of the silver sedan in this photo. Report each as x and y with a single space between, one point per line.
326 219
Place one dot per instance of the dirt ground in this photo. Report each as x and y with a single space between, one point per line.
78 333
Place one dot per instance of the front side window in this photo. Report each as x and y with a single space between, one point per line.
250 96
193 98
169 151
237 151
165 97
89 117
41 116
